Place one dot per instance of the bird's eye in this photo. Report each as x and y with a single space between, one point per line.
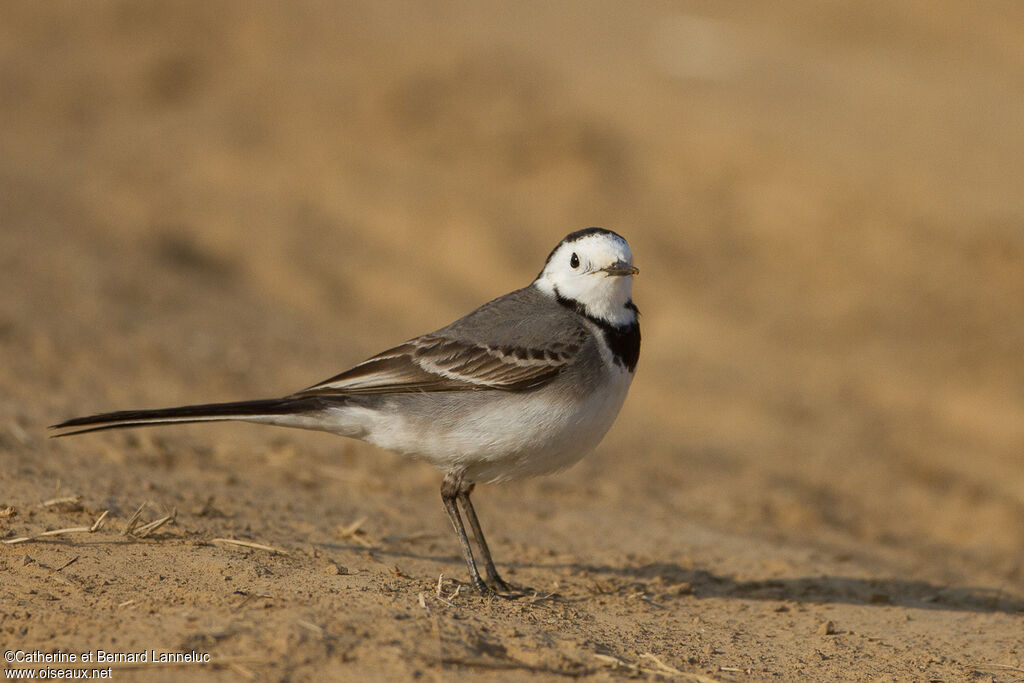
574 261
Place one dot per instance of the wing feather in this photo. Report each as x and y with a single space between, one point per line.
436 363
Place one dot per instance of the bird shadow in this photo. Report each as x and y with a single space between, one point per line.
703 584
819 589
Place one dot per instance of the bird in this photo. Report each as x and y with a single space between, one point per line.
525 385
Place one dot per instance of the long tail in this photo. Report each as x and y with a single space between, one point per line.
286 411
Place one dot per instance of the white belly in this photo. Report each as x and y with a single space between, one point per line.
493 436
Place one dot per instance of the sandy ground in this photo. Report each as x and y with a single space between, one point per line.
818 475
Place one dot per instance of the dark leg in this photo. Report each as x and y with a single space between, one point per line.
450 489
493 577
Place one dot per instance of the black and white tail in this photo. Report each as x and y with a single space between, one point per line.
287 411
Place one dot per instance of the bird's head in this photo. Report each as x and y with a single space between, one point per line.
593 270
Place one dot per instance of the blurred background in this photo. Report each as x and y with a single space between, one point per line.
209 201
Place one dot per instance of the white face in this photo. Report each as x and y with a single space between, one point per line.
596 270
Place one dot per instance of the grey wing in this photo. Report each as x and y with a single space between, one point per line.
436 362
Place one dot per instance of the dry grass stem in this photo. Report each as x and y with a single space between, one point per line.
353 533
662 665
67 564
1003 668
660 668
20 434
62 500
351 528
96 526
250 544
133 521
147 529
615 661
440 592
652 603
309 626
242 671
252 596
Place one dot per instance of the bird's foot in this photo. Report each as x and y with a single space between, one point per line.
506 590
496 588
500 584
484 590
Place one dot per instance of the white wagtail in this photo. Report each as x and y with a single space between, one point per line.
524 385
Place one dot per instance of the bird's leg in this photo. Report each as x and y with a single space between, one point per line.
493 577
450 488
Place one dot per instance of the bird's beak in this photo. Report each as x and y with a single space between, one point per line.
620 268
